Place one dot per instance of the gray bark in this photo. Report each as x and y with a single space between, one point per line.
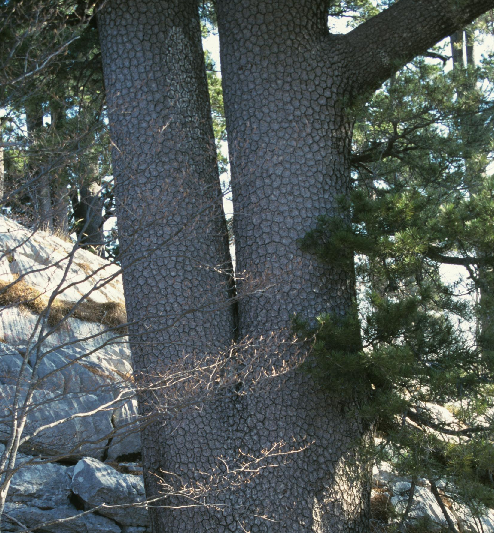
2 167
470 47
88 212
61 202
173 240
58 185
457 49
92 222
289 144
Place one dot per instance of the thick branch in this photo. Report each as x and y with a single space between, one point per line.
434 254
426 421
382 45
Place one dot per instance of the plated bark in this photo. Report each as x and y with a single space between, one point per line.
172 231
289 143
289 87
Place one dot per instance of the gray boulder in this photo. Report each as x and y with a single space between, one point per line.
10 365
40 493
127 438
73 437
97 483
42 485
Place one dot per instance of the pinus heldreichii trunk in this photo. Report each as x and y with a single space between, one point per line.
172 231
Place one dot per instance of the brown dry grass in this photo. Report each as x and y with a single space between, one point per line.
22 295
86 267
97 371
381 508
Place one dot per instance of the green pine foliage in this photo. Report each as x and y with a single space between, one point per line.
423 200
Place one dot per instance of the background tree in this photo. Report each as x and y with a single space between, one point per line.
31 85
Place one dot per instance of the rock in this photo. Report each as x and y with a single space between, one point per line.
53 279
10 365
43 486
34 517
127 440
79 367
97 483
5 273
16 326
383 474
74 370
46 259
41 493
69 437
402 487
61 370
424 503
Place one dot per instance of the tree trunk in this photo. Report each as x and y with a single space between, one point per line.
87 204
39 181
61 202
58 181
2 165
88 214
289 144
173 242
469 125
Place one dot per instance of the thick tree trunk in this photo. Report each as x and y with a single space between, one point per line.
287 85
289 142
173 242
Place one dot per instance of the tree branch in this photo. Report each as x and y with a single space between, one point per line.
382 45
437 496
425 421
466 261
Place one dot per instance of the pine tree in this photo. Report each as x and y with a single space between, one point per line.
422 199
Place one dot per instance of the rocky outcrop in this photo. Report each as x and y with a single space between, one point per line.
62 341
99 485
75 365
57 498
390 498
